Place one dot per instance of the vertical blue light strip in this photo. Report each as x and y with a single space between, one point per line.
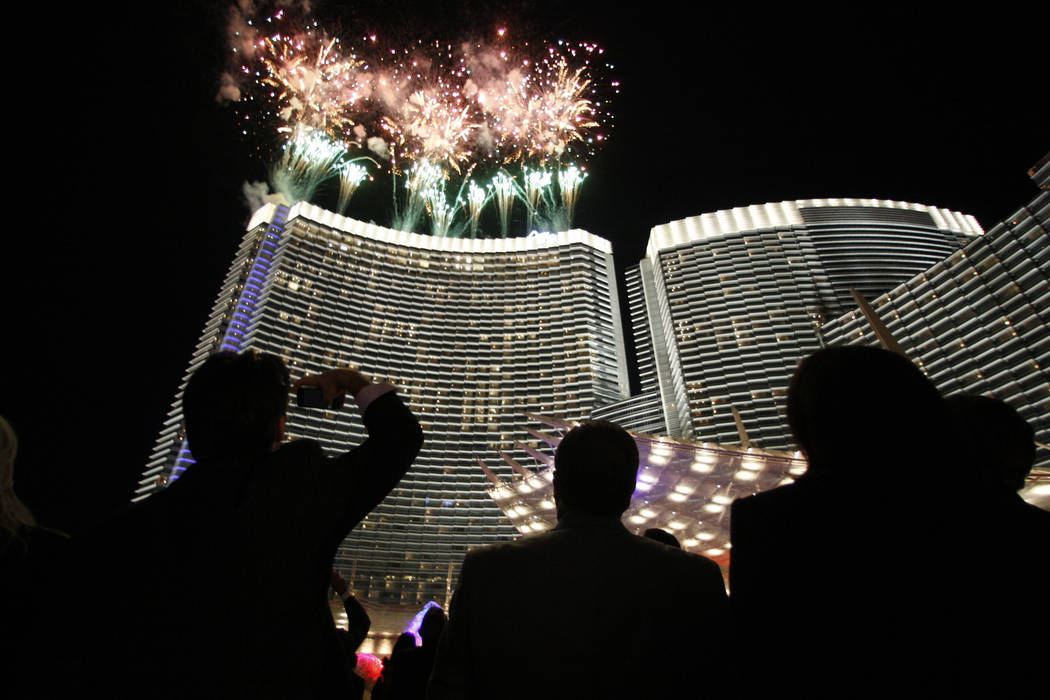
241 318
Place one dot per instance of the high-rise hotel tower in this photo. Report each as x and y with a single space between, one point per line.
474 332
725 304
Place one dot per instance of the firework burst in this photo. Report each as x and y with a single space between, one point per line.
435 112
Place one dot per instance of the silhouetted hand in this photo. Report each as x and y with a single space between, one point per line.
334 384
339 584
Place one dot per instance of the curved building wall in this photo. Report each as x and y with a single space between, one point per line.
474 332
742 295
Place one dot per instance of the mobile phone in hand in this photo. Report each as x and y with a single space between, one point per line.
310 397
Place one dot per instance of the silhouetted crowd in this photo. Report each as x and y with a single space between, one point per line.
902 564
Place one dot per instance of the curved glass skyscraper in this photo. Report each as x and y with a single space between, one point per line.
733 299
474 332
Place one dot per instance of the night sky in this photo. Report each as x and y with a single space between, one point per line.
126 222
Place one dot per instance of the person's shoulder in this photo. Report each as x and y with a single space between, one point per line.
676 559
512 549
780 497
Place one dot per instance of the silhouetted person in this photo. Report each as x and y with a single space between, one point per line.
217 586
347 641
1014 535
405 643
408 675
853 580
586 610
663 537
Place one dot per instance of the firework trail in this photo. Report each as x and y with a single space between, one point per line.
420 184
505 191
477 198
309 158
537 190
569 181
351 174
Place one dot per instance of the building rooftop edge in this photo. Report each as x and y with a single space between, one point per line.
533 241
773 214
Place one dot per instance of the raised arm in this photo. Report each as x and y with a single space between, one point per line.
359 479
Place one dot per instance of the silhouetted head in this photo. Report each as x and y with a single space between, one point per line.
595 467
234 406
663 537
1000 444
432 626
866 411
405 640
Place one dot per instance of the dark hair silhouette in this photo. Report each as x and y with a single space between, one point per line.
869 408
595 468
1000 444
432 626
232 405
405 640
663 537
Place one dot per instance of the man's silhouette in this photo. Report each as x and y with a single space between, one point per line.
587 609
217 586
856 580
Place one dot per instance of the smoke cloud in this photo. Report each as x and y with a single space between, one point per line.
379 147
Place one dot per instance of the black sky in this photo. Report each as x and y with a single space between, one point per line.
126 225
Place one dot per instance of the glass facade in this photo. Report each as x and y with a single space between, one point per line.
735 298
976 322
475 333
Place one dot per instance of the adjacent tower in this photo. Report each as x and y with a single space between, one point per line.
474 332
733 299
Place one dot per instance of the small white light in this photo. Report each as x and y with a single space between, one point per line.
547 504
678 497
637 519
702 467
724 500
648 477
714 552
705 536
745 476
524 488
647 512
713 507
690 543
676 525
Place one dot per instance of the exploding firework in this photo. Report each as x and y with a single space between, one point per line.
314 85
438 111
431 126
